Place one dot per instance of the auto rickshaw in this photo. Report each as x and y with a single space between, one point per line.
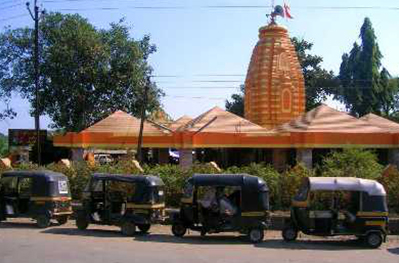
248 195
122 200
41 195
357 207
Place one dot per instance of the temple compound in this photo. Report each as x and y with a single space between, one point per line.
276 129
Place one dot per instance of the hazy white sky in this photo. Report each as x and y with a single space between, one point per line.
197 40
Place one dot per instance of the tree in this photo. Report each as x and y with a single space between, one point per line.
85 73
3 145
318 81
364 88
236 106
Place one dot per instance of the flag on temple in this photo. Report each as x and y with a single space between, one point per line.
287 11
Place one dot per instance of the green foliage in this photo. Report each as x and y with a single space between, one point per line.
268 174
364 88
3 145
351 163
85 73
290 182
319 83
173 177
236 105
390 180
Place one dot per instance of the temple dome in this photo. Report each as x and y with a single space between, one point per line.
274 86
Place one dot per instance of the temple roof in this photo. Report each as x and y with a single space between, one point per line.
381 122
221 121
179 122
121 122
326 119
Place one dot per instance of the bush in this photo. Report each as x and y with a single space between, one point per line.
390 180
290 182
351 163
268 174
173 177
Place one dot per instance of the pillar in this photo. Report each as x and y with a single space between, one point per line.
393 157
186 158
280 159
163 156
305 157
77 154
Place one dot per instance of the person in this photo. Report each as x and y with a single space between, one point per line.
209 198
351 210
226 207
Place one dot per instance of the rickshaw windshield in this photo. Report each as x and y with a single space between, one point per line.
144 195
303 192
188 190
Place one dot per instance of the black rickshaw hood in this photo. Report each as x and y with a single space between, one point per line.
226 180
150 180
49 176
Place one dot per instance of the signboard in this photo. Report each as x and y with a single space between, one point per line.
24 137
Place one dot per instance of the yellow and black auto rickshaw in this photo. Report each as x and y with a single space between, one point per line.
349 206
223 203
122 200
41 195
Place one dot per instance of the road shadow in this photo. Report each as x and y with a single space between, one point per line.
88 232
328 245
31 225
193 239
394 250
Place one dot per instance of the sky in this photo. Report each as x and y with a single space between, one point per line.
204 46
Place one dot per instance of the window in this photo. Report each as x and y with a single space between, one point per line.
97 186
188 190
9 185
25 187
303 191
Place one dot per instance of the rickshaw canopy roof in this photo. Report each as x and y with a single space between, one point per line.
225 180
371 187
150 180
48 176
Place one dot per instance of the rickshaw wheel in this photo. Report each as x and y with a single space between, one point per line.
289 234
128 228
62 220
144 228
179 230
81 222
43 221
374 239
256 235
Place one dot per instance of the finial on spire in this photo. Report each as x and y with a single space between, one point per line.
278 10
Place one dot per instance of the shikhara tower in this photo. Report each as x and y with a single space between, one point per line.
274 87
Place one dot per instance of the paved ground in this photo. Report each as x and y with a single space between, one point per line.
21 241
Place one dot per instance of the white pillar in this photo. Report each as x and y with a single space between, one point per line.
77 154
186 158
305 157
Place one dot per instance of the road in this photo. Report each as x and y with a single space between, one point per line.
22 242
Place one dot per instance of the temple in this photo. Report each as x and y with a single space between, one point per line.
276 129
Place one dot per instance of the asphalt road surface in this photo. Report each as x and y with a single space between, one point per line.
22 242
